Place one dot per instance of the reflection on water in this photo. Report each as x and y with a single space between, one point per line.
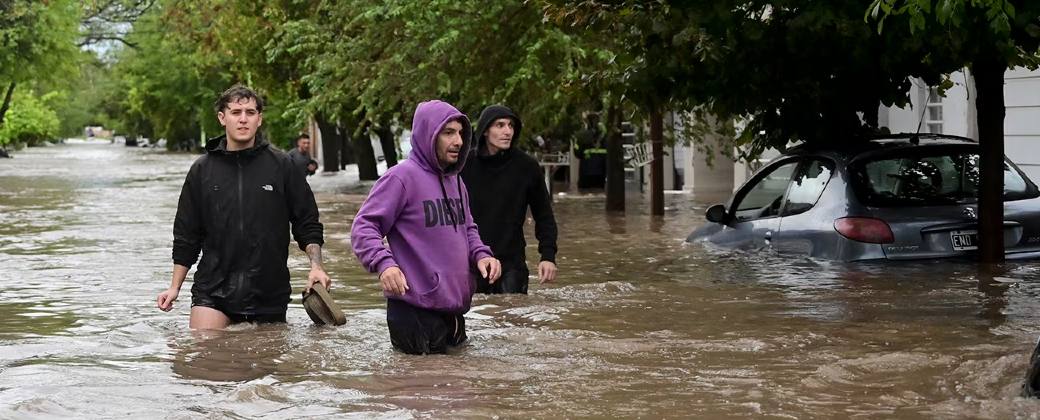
638 325
35 318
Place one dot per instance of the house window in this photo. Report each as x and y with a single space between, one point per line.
934 111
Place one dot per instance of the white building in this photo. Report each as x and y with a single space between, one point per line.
955 114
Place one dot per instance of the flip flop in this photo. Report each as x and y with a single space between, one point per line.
321 308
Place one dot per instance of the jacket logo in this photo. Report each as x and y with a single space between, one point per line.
440 212
267 187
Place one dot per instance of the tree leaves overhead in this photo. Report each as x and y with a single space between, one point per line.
957 32
108 21
791 70
188 52
36 45
37 39
169 80
795 70
375 60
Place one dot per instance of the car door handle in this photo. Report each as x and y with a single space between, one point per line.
769 235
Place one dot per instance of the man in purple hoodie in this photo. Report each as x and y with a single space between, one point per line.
419 206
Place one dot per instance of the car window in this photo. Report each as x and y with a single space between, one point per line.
807 186
946 178
765 197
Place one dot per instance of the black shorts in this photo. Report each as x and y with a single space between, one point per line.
415 330
514 280
206 301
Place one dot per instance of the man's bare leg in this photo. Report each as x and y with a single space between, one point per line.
203 318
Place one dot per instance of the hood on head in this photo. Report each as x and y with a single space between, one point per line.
430 117
488 116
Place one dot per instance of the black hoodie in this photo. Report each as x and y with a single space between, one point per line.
501 188
236 207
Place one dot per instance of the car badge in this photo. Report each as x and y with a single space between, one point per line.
970 212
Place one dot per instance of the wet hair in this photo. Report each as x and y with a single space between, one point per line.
237 93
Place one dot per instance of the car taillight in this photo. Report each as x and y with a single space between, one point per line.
864 229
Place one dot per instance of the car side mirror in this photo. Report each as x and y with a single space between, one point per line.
716 213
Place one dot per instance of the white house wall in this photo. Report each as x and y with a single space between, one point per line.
957 107
956 110
1021 121
903 120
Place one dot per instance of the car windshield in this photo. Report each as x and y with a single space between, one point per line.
914 179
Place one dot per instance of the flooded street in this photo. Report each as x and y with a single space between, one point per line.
639 324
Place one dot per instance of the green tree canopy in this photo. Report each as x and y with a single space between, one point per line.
37 39
37 43
376 60
30 121
187 52
810 71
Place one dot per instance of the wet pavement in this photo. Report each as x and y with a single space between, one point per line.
638 325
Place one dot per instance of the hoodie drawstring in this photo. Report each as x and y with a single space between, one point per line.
448 207
462 197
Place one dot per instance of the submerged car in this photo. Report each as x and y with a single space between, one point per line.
900 197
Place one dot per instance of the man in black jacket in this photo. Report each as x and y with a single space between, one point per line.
301 155
503 182
236 206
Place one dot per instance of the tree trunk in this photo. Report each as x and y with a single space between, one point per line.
347 154
366 157
615 162
657 165
388 143
7 102
989 102
330 142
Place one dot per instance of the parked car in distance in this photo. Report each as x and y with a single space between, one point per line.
900 197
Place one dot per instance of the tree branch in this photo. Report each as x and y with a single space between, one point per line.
116 11
93 39
103 21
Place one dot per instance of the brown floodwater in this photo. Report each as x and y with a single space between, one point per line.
639 324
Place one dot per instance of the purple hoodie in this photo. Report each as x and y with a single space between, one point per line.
413 205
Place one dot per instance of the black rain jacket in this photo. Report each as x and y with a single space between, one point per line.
236 207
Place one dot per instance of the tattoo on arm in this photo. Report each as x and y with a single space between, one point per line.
314 253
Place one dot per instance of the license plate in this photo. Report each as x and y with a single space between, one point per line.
964 240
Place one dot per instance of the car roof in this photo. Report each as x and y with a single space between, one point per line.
851 149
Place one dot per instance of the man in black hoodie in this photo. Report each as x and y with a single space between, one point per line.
503 182
236 206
